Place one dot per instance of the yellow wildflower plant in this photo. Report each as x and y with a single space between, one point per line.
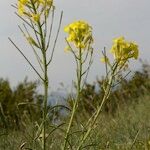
124 50
80 38
37 28
80 33
115 71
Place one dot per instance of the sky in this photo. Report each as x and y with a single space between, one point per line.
109 19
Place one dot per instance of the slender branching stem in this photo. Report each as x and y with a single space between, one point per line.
93 119
45 82
79 80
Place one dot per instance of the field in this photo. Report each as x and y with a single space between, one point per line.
128 129
125 127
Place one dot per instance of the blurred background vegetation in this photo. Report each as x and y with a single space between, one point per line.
124 123
18 104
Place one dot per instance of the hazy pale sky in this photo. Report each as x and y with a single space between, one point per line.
109 19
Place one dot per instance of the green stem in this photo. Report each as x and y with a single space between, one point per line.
94 118
79 78
45 86
45 82
45 103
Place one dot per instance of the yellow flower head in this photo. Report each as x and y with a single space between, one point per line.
80 33
124 50
27 8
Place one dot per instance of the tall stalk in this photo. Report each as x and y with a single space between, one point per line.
46 84
80 35
79 79
96 115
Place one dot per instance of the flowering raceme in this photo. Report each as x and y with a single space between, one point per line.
34 9
124 50
80 33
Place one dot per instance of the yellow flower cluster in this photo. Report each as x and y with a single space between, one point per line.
80 34
124 50
34 8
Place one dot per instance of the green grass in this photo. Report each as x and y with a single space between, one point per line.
128 129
